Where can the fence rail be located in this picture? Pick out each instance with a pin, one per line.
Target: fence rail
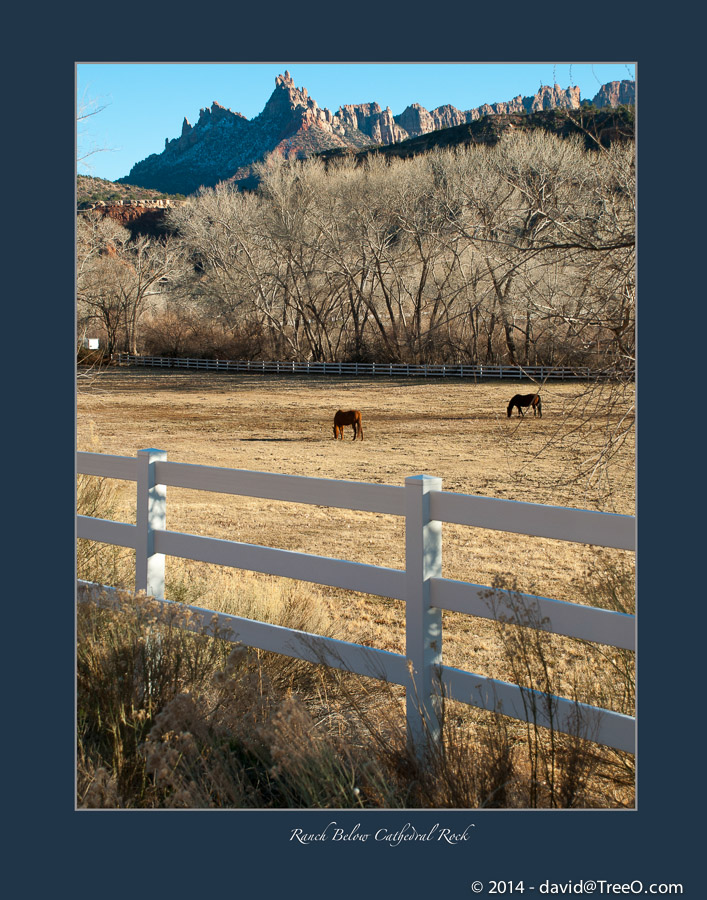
(425, 506)
(564, 373)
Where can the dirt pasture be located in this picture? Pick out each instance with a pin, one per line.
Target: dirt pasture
(456, 430)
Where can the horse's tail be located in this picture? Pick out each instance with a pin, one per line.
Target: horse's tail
(510, 408)
(540, 406)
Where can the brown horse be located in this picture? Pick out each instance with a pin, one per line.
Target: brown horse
(520, 400)
(351, 417)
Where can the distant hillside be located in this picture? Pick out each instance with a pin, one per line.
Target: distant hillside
(224, 146)
(143, 210)
(90, 190)
(596, 126)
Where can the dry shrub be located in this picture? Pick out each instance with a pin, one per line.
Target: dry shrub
(97, 787)
(262, 598)
(570, 770)
(132, 659)
(470, 767)
(474, 766)
(243, 743)
(611, 584)
(169, 718)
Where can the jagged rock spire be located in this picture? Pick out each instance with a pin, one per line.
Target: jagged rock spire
(224, 145)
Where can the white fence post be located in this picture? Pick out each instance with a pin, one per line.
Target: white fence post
(151, 516)
(423, 623)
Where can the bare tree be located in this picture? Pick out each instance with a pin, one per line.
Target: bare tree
(522, 251)
(100, 241)
(86, 108)
(118, 276)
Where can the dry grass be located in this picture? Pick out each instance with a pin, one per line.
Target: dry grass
(455, 430)
(172, 719)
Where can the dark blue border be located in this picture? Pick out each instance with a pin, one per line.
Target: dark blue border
(112, 853)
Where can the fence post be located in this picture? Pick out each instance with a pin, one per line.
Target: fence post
(423, 623)
(151, 516)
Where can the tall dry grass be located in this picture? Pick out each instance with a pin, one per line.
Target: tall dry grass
(568, 770)
(173, 719)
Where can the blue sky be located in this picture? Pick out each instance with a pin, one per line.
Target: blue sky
(141, 104)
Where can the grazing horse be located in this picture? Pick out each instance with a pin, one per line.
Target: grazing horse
(520, 400)
(351, 417)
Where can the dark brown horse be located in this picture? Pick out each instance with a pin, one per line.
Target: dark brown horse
(351, 417)
(521, 400)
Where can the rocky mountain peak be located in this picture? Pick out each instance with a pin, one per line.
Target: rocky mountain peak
(615, 93)
(286, 96)
(554, 97)
(223, 145)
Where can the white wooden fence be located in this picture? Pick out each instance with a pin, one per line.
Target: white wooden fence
(420, 585)
(516, 373)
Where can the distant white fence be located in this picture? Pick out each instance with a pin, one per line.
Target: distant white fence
(420, 585)
(516, 373)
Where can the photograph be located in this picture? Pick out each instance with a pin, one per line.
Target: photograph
(350, 392)
(433, 609)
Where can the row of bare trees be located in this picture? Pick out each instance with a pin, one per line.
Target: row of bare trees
(120, 277)
(519, 253)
